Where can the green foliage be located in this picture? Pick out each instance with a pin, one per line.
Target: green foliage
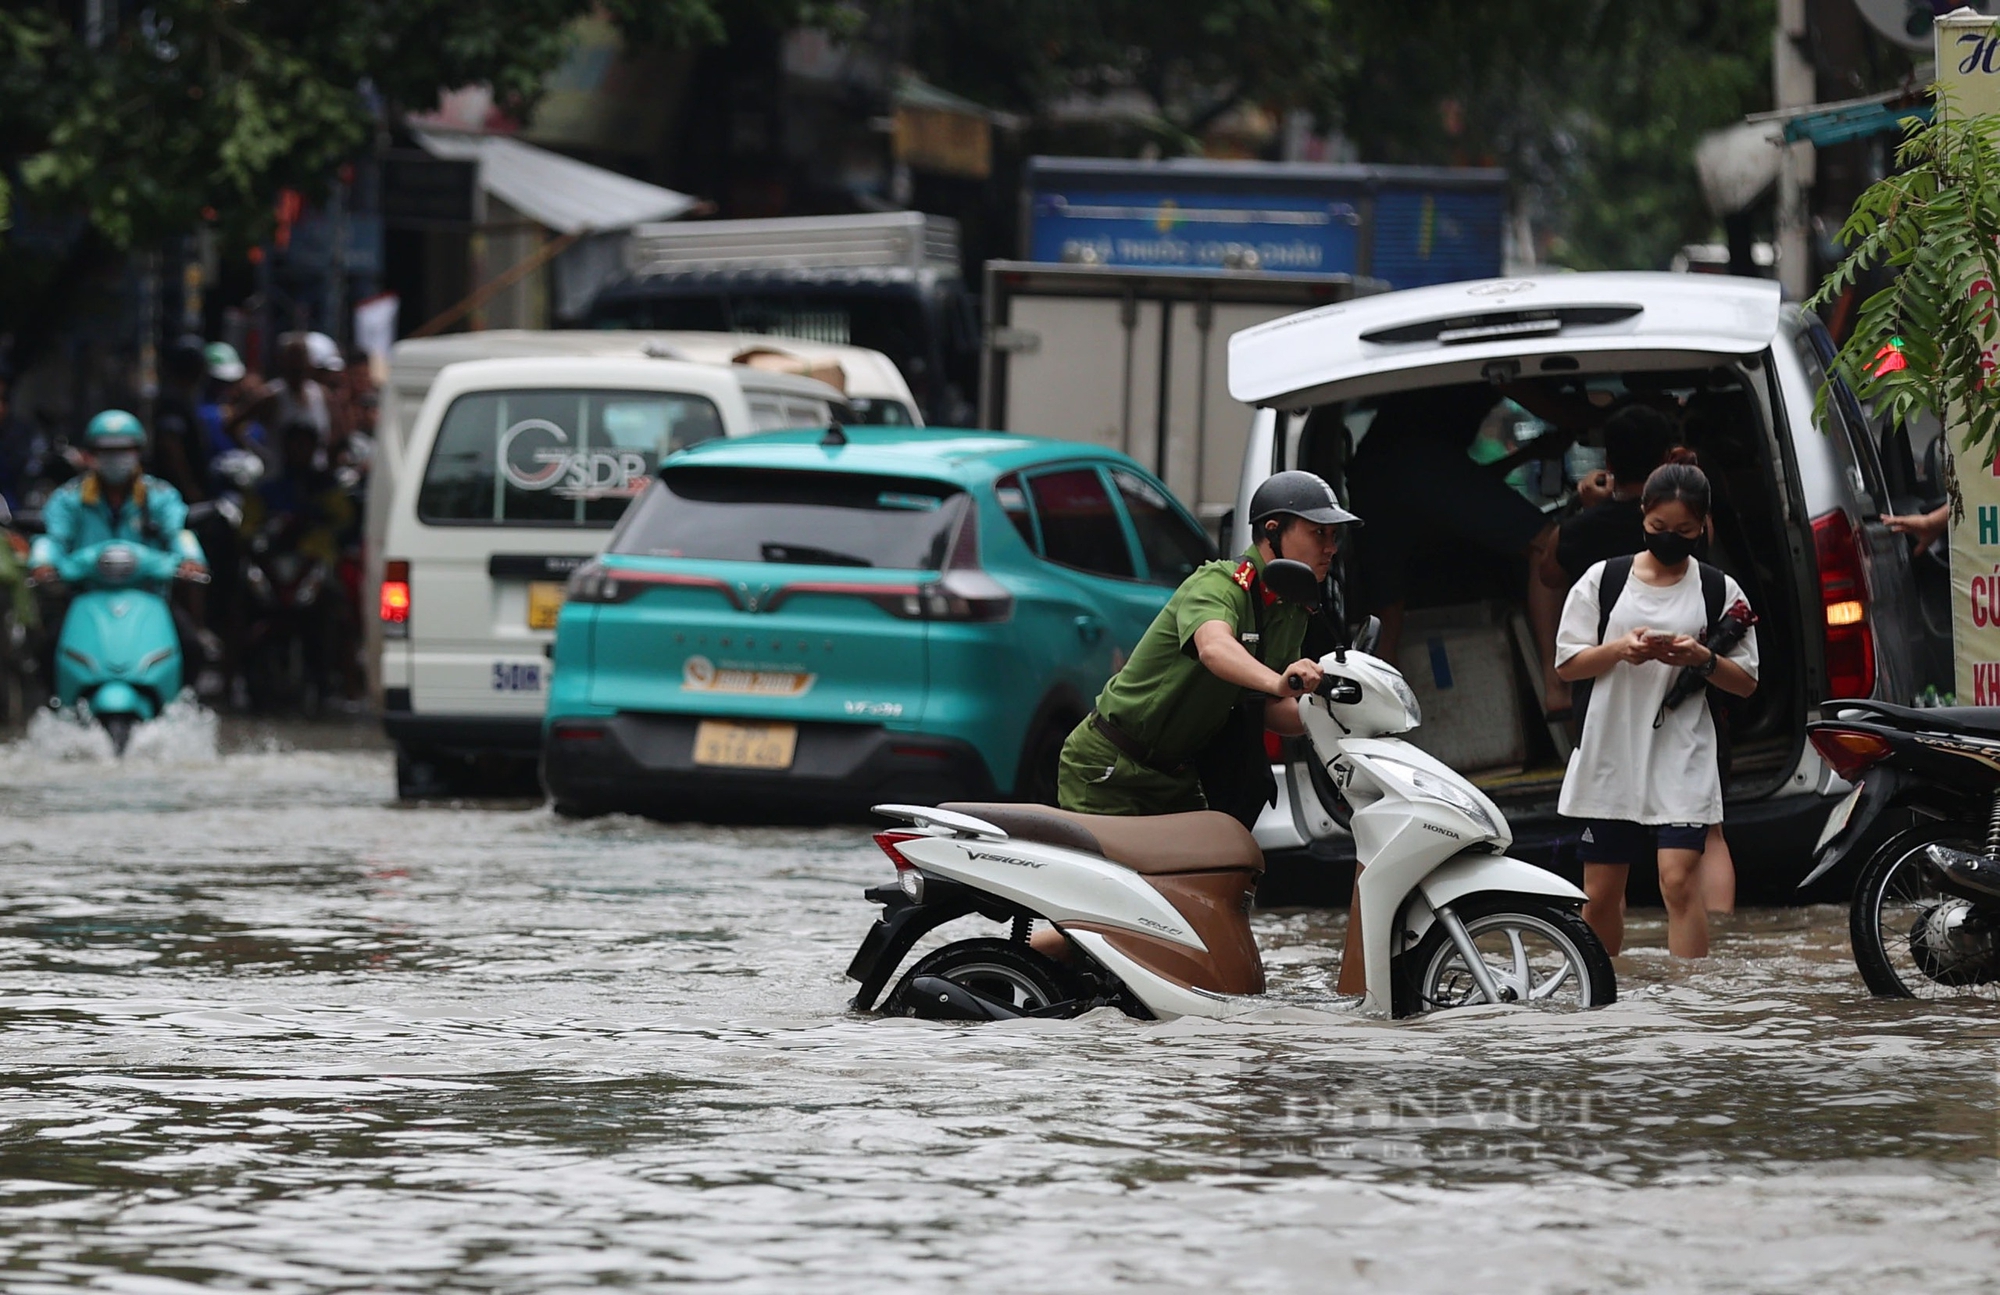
(1936, 223)
(217, 104)
(1591, 105)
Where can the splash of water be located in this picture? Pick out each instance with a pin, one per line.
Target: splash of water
(184, 733)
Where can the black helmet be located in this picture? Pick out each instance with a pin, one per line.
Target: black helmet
(1297, 494)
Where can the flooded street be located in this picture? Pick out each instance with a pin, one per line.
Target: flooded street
(266, 1030)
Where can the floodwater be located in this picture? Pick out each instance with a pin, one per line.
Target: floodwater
(265, 1030)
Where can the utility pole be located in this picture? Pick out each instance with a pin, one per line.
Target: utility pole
(1793, 85)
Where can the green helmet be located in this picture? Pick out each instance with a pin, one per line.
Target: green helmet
(114, 429)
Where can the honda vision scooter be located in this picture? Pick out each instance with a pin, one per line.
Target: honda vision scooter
(1156, 910)
(118, 652)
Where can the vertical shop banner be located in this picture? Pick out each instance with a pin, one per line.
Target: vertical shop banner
(1968, 62)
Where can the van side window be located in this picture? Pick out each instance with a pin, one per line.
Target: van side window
(1080, 527)
(554, 458)
(1014, 502)
(1172, 548)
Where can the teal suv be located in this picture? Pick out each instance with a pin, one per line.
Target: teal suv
(802, 624)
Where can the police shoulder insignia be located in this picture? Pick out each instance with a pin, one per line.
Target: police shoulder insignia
(1246, 571)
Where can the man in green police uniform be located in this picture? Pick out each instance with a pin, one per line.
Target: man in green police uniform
(1221, 635)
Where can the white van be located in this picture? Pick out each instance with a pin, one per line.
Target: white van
(873, 387)
(515, 472)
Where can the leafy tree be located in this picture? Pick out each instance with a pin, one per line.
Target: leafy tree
(1936, 223)
(1592, 105)
(186, 111)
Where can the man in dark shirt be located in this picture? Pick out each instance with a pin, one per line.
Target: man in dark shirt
(1636, 440)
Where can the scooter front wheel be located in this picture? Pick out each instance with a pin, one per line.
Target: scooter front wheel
(119, 729)
(1536, 953)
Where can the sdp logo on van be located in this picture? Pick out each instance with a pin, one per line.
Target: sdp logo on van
(532, 458)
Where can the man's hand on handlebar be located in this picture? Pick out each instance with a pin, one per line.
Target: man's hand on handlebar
(42, 575)
(1298, 679)
(191, 570)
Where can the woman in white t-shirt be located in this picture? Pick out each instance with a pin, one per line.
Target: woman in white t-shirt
(1644, 778)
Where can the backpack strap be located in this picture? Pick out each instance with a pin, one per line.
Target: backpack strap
(1611, 584)
(1714, 588)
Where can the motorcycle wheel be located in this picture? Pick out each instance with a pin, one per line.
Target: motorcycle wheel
(1893, 897)
(1010, 974)
(1537, 953)
(119, 729)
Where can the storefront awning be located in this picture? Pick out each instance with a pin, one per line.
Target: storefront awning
(566, 195)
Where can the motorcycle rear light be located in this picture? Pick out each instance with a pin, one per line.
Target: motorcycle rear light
(395, 601)
(1851, 752)
(1843, 589)
(889, 841)
(577, 733)
(912, 885)
(1274, 747)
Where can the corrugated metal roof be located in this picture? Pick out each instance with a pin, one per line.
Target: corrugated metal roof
(560, 192)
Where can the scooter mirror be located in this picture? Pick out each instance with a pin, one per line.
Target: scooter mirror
(1293, 582)
(1368, 635)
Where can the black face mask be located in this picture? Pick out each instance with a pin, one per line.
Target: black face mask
(1671, 548)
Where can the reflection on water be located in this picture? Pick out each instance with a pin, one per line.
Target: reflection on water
(268, 1030)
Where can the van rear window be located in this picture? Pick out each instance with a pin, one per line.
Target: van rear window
(554, 458)
(805, 518)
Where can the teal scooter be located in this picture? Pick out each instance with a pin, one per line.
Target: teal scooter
(118, 652)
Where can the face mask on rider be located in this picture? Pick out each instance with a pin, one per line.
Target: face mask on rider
(1672, 548)
(118, 466)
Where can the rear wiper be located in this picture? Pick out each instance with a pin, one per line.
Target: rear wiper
(808, 555)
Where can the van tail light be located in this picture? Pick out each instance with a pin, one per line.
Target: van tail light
(1850, 640)
(890, 840)
(1851, 752)
(395, 602)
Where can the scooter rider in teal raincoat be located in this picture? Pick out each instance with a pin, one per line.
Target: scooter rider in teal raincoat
(114, 500)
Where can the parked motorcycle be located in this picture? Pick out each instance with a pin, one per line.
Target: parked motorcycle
(1155, 910)
(118, 652)
(1925, 917)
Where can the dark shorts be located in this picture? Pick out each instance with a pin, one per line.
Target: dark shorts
(1408, 493)
(1609, 840)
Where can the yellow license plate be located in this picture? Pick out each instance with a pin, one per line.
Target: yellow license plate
(745, 746)
(545, 599)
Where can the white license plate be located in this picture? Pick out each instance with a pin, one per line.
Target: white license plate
(1836, 822)
(745, 746)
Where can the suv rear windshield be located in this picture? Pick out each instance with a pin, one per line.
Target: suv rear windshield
(812, 518)
(554, 458)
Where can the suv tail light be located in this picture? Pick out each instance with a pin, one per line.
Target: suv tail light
(1850, 641)
(395, 600)
(1850, 751)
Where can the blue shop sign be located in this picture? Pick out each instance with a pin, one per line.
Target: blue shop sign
(1285, 233)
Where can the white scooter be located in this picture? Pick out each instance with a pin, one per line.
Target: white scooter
(1155, 910)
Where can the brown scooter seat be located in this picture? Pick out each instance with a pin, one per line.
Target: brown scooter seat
(1158, 845)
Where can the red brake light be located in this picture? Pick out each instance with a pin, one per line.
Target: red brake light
(395, 605)
(1851, 752)
(889, 841)
(1274, 746)
(1850, 640)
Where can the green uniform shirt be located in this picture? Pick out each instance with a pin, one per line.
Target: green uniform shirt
(1164, 696)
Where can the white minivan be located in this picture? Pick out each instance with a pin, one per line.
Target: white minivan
(514, 474)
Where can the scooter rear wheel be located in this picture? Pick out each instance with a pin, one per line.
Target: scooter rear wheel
(1899, 909)
(1012, 975)
(1540, 954)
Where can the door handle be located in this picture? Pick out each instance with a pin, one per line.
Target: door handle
(1089, 628)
